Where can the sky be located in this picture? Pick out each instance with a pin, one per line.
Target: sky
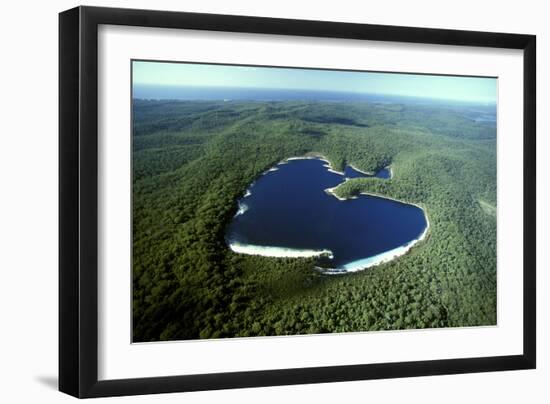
(468, 89)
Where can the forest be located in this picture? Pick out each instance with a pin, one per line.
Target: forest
(192, 161)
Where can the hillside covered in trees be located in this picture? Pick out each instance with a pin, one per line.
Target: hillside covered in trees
(192, 161)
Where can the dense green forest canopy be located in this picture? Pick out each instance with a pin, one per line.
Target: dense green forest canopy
(193, 160)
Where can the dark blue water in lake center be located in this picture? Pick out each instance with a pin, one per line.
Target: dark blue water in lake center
(288, 208)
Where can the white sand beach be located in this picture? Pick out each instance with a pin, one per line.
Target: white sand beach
(280, 252)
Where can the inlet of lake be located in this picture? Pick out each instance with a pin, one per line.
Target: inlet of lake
(287, 212)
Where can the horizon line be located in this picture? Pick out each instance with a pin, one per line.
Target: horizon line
(482, 101)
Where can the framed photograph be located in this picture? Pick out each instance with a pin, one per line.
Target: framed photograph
(251, 201)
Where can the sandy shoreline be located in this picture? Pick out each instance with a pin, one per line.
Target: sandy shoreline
(270, 170)
(279, 252)
(371, 173)
(328, 165)
(316, 156)
(362, 171)
(242, 208)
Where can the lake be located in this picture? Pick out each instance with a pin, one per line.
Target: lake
(288, 213)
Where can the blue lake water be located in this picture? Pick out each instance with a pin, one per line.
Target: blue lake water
(287, 212)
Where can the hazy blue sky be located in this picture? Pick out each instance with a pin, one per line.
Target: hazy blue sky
(443, 87)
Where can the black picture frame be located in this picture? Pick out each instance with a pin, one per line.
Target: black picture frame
(78, 201)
